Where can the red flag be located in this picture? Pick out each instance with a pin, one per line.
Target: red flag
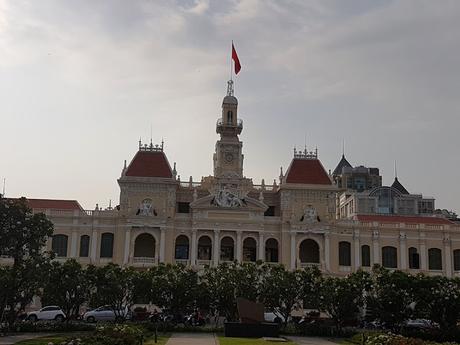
(236, 60)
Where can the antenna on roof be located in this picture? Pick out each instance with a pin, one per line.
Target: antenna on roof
(305, 147)
(151, 135)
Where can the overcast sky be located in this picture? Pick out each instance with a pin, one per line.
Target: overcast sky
(81, 81)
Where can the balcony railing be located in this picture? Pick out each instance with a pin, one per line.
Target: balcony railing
(144, 260)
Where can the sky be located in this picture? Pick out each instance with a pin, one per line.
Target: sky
(82, 81)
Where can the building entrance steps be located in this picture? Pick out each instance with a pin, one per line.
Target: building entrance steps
(192, 339)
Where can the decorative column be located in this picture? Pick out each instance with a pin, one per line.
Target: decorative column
(423, 260)
(376, 247)
(356, 244)
(193, 249)
(239, 245)
(73, 244)
(94, 244)
(261, 246)
(402, 251)
(162, 244)
(327, 252)
(127, 246)
(447, 256)
(216, 247)
(293, 251)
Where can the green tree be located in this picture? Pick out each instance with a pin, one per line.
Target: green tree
(283, 289)
(112, 286)
(342, 298)
(23, 236)
(438, 299)
(67, 286)
(392, 296)
(174, 287)
(226, 282)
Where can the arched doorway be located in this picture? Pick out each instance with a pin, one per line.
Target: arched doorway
(271, 250)
(309, 251)
(182, 248)
(227, 249)
(144, 246)
(249, 249)
(204, 248)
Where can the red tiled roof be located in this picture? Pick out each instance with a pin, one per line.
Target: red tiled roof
(149, 164)
(54, 204)
(402, 219)
(307, 171)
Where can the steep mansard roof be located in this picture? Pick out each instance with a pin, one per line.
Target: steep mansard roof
(149, 164)
(402, 219)
(343, 163)
(397, 185)
(307, 171)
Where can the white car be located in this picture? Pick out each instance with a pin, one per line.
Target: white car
(104, 313)
(272, 317)
(51, 312)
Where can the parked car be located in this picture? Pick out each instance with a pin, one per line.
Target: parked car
(106, 313)
(420, 324)
(272, 317)
(47, 313)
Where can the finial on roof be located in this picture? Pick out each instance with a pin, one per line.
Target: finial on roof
(281, 175)
(343, 147)
(230, 90)
(124, 166)
(274, 183)
(140, 143)
(190, 181)
(396, 172)
(162, 144)
(174, 170)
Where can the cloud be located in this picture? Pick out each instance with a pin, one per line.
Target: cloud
(381, 74)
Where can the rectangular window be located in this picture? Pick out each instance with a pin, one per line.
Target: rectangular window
(183, 207)
(365, 256)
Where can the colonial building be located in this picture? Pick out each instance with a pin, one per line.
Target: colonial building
(226, 217)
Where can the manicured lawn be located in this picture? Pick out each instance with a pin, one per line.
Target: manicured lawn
(249, 341)
(161, 340)
(56, 339)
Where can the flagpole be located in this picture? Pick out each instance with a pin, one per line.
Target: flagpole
(231, 63)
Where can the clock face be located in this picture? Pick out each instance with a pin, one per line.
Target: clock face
(228, 157)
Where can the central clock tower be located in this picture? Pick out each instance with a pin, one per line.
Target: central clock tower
(228, 158)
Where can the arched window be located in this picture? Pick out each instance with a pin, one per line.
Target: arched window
(144, 246)
(204, 248)
(434, 259)
(365, 256)
(59, 245)
(271, 250)
(457, 260)
(84, 246)
(226, 249)
(181, 252)
(249, 249)
(106, 245)
(344, 253)
(389, 257)
(414, 259)
(229, 117)
(309, 251)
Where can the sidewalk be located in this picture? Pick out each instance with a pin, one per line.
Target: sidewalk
(192, 339)
(11, 339)
(310, 341)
